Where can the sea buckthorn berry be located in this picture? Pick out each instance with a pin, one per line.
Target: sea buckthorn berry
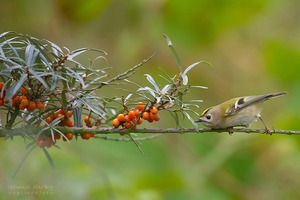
(22, 107)
(1, 85)
(15, 100)
(140, 107)
(57, 136)
(21, 98)
(128, 125)
(24, 91)
(150, 120)
(60, 116)
(116, 123)
(69, 136)
(49, 142)
(70, 113)
(121, 117)
(131, 114)
(41, 143)
(87, 119)
(145, 115)
(49, 119)
(127, 119)
(86, 136)
(140, 121)
(25, 102)
(154, 110)
(137, 113)
(31, 106)
(40, 105)
(69, 123)
(61, 111)
(156, 117)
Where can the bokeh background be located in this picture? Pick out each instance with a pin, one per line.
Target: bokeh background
(254, 47)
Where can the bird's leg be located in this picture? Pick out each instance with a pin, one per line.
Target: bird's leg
(268, 131)
(230, 130)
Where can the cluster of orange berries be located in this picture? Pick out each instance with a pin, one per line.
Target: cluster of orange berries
(64, 116)
(22, 100)
(134, 117)
(88, 123)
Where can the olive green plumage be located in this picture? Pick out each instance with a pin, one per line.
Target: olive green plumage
(240, 111)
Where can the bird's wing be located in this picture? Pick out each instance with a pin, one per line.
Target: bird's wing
(243, 102)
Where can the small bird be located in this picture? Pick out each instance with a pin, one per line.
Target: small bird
(240, 111)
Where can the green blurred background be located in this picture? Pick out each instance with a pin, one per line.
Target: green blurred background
(254, 47)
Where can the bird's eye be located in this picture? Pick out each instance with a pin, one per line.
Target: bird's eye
(208, 117)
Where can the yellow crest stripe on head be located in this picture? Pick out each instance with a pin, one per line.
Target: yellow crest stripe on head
(205, 111)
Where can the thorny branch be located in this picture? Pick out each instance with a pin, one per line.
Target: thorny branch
(9, 133)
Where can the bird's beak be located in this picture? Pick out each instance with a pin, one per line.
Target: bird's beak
(199, 120)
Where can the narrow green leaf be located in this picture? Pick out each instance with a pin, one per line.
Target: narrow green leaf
(35, 74)
(152, 81)
(79, 78)
(195, 64)
(31, 54)
(185, 79)
(23, 160)
(15, 87)
(48, 157)
(177, 58)
(165, 89)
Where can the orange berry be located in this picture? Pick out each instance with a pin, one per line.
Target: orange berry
(49, 142)
(156, 117)
(61, 111)
(41, 143)
(1, 85)
(87, 119)
(137, 113)
(140, 107)
(70, 113)
(1, 102)
(154, 110)
(61, 116)
(69, 123)
(22, 107)
(150, 119)
(21, 98)
(86, 136)
(57, 136)
(69, 136)
(15, 100)
(131, 114)
(25, 102)
(40, 105)
(145, 115)
(116, 123)
(121, 117)
(58, 113)
(128, 124)
(31, 106)
(49, 119)
(127, 119)
(94, 126)
(85, 126)
(140, 121)
(24, 91)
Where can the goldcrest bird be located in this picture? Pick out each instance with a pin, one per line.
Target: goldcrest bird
(240, 111)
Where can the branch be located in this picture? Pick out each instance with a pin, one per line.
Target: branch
(30, 130)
